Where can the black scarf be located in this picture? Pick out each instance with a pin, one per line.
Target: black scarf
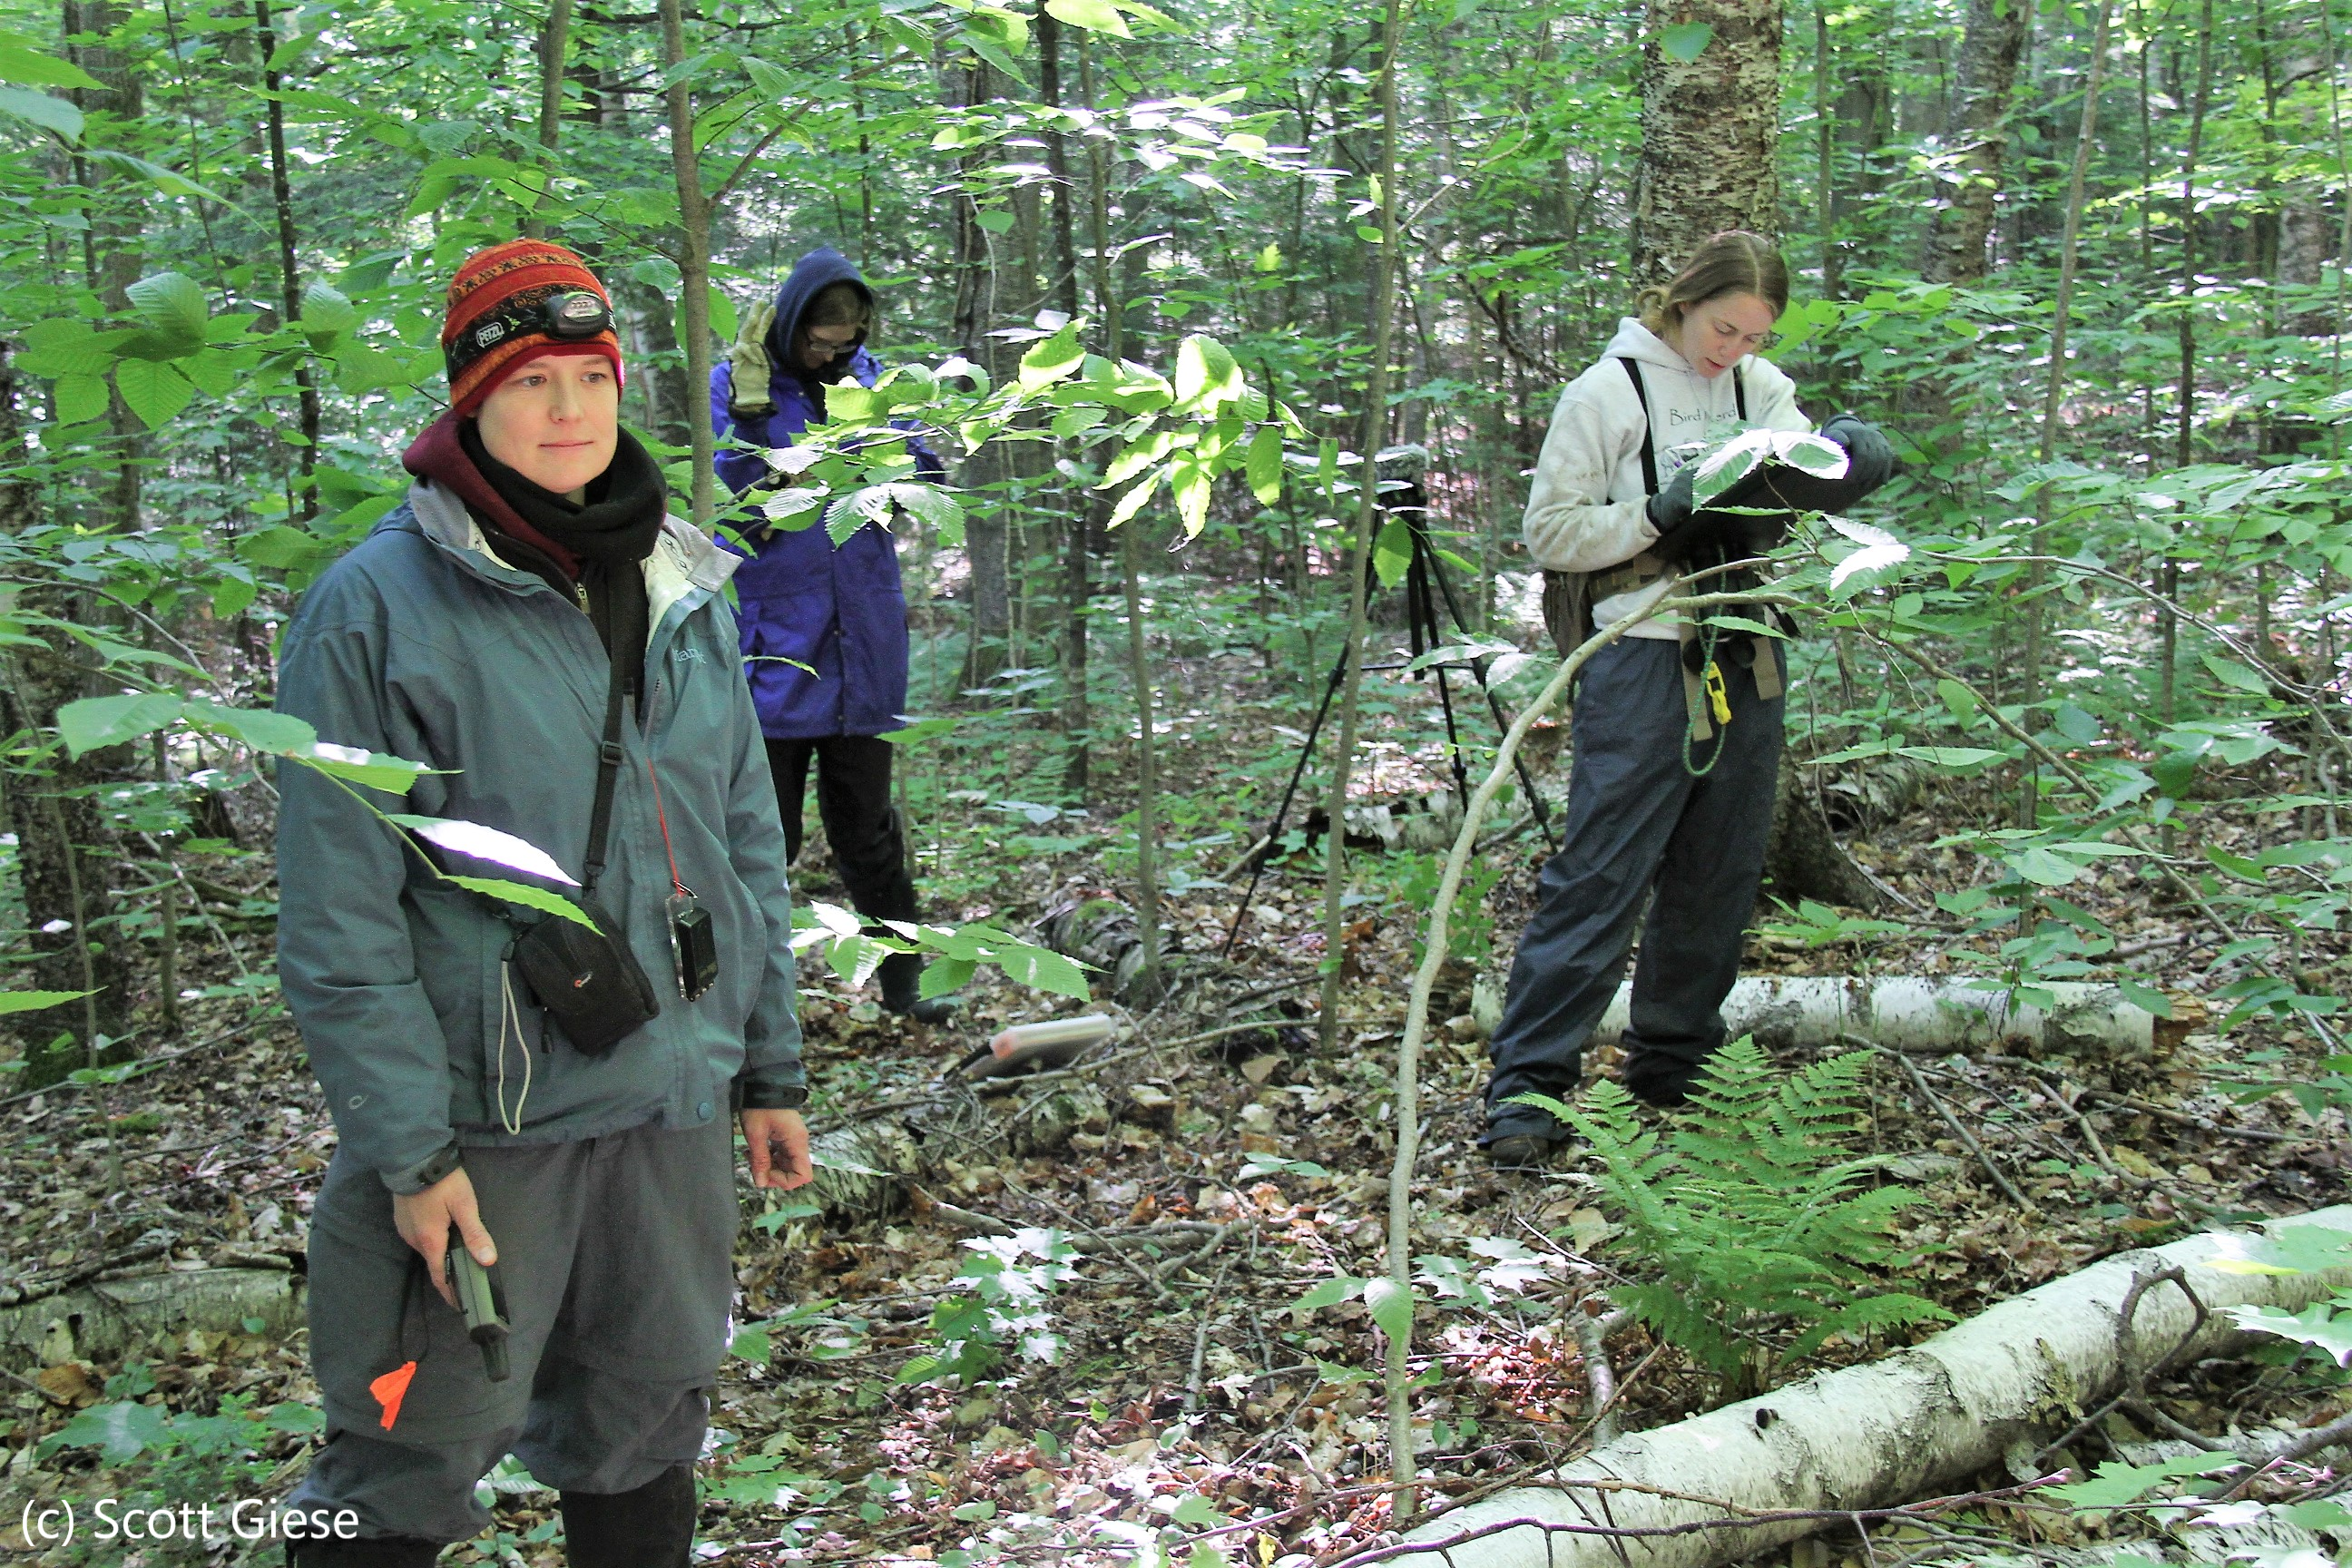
(608, 532)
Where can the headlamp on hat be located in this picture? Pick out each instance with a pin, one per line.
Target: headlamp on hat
(569, 317)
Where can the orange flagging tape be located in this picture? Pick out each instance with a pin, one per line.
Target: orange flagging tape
(391, 1389)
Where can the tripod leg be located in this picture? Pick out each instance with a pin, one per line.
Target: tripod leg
(1453, 739)
(1536, 805)
(1282, 810)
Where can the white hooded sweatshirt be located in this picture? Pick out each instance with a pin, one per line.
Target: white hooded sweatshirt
(1586, 511)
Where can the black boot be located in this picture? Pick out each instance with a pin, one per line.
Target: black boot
(901, 975)
(366, 1552)
(652, 1527)
(1659, 1081)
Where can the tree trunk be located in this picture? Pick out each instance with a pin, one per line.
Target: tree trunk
(1709, 128)
(1977, 130)
(54, 819)
(1883, 1433)
(554, 39)
(693, 265)
(1109, 306)
(1079, 519)
(290, 272)
(987, 534)
(1372, 434)
(1802, 859)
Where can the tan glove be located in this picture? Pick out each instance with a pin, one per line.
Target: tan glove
(748, 397)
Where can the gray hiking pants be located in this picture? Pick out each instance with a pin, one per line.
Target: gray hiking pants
(1637, 820)
(617, 1258)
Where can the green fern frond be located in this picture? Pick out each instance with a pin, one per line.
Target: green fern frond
(1752, 1207)
(1682, 1325)
(1859, 1317)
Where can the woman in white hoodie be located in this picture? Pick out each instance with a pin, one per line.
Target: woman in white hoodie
(1667, 791)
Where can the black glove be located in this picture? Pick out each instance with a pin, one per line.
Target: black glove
(1707, 535)
(1870, 463)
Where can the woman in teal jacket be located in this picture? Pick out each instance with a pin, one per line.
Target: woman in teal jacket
(482, 629)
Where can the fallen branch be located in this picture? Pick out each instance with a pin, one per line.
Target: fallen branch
(1936, 1103)
(1594, 1323)
(1442, 1546)
(1854, 1441)
(107, 1318)
(1927, 1016)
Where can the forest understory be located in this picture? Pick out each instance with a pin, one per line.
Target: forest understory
(1159, 1208)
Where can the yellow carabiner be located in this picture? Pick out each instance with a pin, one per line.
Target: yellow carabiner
(1718, 698)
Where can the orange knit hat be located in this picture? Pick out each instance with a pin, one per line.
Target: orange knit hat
(496, 319)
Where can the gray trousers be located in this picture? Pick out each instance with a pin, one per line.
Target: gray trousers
(1639, 820)
(617, 1255)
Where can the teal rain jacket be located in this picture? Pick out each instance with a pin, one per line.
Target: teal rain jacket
(423, 644)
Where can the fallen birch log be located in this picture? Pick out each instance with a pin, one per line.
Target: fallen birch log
(102, 1321)
(1870, 1436)
(1909, 1014)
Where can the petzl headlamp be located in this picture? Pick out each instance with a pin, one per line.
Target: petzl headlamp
(572, 316)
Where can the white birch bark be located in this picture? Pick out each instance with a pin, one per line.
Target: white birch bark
(1880, 1434)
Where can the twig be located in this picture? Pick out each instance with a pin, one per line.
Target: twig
(1968, 1139)
(2190, 1119)
(1201, 1336)
(2051, 1093)
(66, 1282)
(1167, 1270)
(2135, 1390)
(145, 1064)
(1594, 1324)
(958, 1217)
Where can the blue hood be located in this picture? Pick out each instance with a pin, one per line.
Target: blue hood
(816, 272)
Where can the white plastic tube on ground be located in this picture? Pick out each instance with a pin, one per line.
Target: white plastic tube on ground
(1875, 1435)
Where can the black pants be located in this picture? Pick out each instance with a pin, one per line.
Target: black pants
(1638, 820)
(853, 801)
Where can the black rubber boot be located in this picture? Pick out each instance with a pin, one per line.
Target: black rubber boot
(901, 975)
(1659, 1081)
(366, 1551)
(652, 1527)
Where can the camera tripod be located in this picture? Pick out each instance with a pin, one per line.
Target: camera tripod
(1425, 587)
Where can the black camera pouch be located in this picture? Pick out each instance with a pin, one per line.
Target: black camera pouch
(589, 984)
(587, 981)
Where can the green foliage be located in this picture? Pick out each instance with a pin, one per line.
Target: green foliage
(1752, 1213)
(161, 1459)
(1005, 1313)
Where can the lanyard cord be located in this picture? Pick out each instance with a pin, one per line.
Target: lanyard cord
(663, 817)
(1707, 640)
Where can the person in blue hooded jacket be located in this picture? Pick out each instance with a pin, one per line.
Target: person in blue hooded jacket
(823, 627)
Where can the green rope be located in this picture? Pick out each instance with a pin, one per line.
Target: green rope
(1707, 640)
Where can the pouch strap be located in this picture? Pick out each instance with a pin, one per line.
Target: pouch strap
(1649, 443)
(1767, 668)
(1626, 577)
(608, 773)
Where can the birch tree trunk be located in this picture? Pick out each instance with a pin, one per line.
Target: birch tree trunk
(1874, 1436)
(1709, 126)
